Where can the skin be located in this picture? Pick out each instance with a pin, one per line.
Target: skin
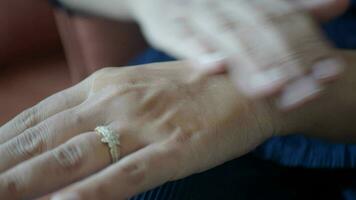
(319, 123)
(222, 39)
(251, 40)
(172, 123)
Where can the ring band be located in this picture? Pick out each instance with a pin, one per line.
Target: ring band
(112, 139)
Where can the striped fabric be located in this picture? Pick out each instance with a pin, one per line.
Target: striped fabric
(177, 190)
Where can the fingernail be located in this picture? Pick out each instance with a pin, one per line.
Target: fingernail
(269, 79)
(210, 61)
(299, 91)
(327, 68)
(66, 196)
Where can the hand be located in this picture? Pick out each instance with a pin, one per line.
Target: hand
(171, 125)
(270, 47)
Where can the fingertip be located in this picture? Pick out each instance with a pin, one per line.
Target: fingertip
(299, 92)
(263, 84)
(211, 63)
(328, 69)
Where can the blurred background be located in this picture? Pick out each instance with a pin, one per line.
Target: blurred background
(32, 64)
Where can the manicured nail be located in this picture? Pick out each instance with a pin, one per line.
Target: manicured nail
(298, 92)
(209, 62)
(66, 196)
(327, 68)
(268, 80)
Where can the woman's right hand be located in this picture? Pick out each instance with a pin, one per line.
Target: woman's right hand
(268, 47)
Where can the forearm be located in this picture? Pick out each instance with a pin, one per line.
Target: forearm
(333, 115)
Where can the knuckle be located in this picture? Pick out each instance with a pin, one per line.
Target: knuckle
(69, 157)
(31, 142)
(63, 98)
(135, 172)
(10, 188)
(28, 118)
(77, 117)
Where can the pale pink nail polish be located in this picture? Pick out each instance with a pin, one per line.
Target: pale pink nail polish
(328, 68)
(209, 62)
(298, 92)
(266, 82)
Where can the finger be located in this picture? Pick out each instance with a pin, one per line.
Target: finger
(304, 42)
(77, 158)
(142, 170)
(252, 52)
(257, 84)
(181, 39)
(313, 55)
(305, 51)
(299, 92)
(328, 70)
(52, 105)
(44, 136)
(175, 38)
(69, 162)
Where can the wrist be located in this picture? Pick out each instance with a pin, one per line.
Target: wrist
(272, 120)
(285, 123)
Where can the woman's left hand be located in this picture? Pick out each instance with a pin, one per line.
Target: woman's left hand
(171, 125)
